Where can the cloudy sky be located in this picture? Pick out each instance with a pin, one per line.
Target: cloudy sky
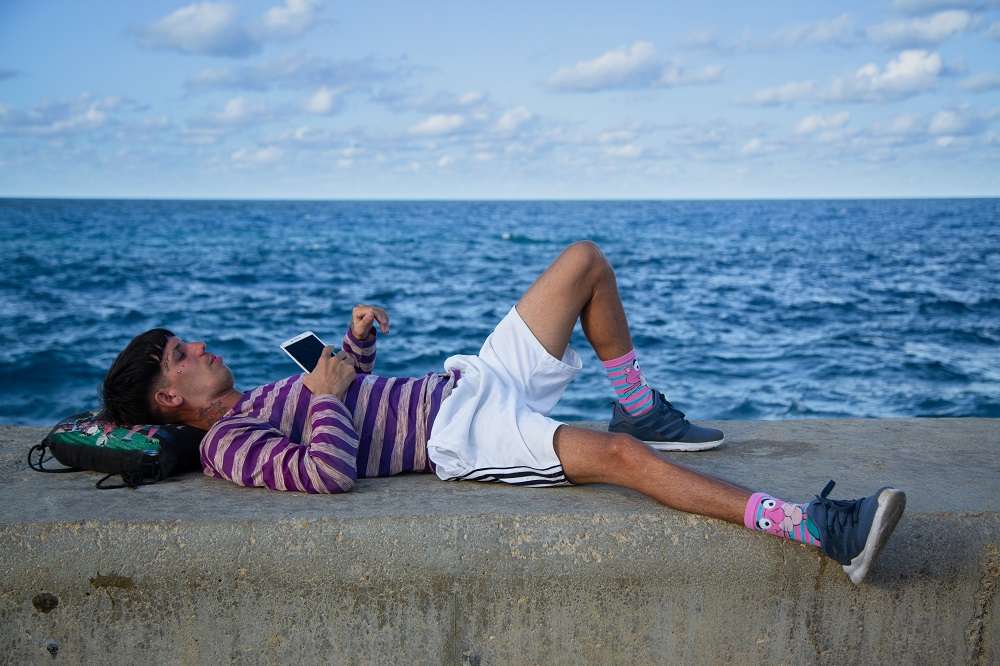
(312, 99)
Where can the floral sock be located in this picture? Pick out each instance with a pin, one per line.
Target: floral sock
(780, 518)
(629, 384)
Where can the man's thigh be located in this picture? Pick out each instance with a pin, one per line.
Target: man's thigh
(551, 306)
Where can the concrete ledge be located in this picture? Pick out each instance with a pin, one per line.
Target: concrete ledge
(414, 569)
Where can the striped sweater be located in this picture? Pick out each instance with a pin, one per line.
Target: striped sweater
(281, 436)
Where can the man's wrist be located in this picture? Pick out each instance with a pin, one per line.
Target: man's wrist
(364, 337)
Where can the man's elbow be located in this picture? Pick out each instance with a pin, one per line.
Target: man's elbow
(341, 483)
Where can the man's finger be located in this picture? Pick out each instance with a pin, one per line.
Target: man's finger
(324, 354)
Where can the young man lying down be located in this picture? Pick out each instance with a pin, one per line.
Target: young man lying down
(484, 418)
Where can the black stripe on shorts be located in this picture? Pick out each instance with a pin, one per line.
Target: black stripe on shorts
(524, 476)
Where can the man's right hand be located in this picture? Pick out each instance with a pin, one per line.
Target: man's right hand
(332, 374)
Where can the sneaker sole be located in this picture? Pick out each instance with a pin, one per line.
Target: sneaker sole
(685, 446)
(891, 503)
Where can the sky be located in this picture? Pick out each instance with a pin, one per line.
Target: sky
(311, 99)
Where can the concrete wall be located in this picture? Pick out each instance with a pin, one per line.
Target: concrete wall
(415, 569)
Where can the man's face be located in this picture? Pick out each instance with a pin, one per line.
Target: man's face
(192, 373)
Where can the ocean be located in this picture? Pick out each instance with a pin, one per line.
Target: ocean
(739, 309)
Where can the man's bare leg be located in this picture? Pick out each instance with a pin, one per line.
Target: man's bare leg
(580, 284)
(591, 456)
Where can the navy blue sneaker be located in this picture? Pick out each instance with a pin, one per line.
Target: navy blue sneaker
(664, 428)
(854, 531)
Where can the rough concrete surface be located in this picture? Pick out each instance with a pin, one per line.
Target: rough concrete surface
(413, 569)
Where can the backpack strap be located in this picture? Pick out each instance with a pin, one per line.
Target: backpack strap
(38, 464)
(151, 469)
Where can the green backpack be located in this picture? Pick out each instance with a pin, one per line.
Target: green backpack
(140, 455)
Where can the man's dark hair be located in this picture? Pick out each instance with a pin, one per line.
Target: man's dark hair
(135, 374)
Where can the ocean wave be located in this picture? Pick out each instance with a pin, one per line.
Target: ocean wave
(522, 239)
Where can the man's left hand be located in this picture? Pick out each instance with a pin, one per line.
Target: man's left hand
(362, 318)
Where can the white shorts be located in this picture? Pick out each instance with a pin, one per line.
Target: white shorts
(495, 426)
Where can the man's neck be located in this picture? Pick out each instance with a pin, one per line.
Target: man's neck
(205, 417)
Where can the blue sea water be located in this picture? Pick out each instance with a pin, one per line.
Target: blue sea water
(739, 309)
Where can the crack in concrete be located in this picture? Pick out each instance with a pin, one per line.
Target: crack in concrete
(983, 605)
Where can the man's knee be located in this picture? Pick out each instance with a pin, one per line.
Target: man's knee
(587, 254)
(625, 451)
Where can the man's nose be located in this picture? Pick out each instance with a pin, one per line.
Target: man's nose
(201, 347)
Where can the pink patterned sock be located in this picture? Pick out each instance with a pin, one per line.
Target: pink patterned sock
(629, 384)
(780, 518)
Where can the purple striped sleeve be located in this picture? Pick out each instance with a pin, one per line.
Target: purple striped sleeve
(325, 464)
(362, 351)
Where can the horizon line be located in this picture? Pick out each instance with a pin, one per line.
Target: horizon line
(488, 199)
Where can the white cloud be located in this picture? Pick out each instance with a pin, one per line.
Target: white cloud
(201, 136)
(922, 31)
(58, 118)
(207, 28)
(942, 127)
(298, 71)
(237, 111)
(904, 124)
(438, 124)
(216, 29)
(993, 32)
(616, 136)
(815, 123)
(701, 39)
(673, 75)
(636, 66)
(960, 121)
(924, 6)
(909, 73)
(756, 146)
(981, 82)
(947, 122)
(627, 151)
(513, 119)
(472, 97)
(322, 101)
(256, 157)
(839, 30)
(290, 19)
(783, 94)
(614, 69)
(445, 161)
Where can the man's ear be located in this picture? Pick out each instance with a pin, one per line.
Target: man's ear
(167, 398)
